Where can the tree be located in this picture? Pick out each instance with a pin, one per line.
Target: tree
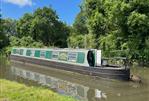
(81, 41)
(7, 28)
(44, 25)
(24, 42)
(79, 25)
(47, 28)
(119, 25)
(96, 17)
(24, 25)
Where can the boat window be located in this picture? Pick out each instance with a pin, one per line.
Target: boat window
(17, 51)
(42, 54)
(55, 55)
(30, 53)
(72, 56)
(21, 51)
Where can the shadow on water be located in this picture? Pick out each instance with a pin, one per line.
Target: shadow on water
(81, 87)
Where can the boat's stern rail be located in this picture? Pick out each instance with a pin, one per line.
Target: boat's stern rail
(116, 62)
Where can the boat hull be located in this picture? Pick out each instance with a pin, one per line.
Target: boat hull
(121, 74)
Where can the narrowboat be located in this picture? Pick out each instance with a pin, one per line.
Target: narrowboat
(84, 61)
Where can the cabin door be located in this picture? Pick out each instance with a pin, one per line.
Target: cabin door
(91, 58)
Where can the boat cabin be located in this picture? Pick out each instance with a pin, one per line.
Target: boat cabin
(82, 57)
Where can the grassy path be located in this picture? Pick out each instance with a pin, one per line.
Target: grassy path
(13, 91)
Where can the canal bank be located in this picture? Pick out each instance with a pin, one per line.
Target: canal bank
(13, 91)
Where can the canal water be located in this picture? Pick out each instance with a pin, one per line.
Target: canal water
(80, 87)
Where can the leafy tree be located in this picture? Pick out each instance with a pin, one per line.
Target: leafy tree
(24, 25)
(44, 25)
(79, 25)
(7, 28)
(24, 42)
(120, 24)
(81, 41)
(96, 17)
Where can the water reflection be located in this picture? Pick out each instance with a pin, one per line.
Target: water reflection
(61, 86)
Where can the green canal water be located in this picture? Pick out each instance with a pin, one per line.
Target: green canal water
(81, 87)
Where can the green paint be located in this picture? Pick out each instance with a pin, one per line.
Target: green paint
(48, 54)
(28, 52)
(37, 53)
(80, 58)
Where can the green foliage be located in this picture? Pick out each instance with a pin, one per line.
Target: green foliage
(96, 17)
(7, 28)
(79, 25)
(44, 25)
(75, 41)
(24, 42)
(120, 25)
(81, 41)
(21, 42)
(107, 42)
(24, 25)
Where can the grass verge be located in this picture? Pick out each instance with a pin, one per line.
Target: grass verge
(13, 91)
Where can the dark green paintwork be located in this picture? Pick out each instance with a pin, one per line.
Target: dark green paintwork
(80, 58)
(37, 53)
(48, 54)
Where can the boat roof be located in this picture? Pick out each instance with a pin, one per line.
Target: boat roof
(67, 49)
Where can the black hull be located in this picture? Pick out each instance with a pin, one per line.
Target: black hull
(121, 74)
